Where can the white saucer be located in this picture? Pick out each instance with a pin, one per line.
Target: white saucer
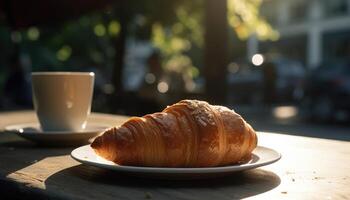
(261, 156)
(33, 132)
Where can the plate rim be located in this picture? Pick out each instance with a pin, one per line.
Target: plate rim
(173, 170)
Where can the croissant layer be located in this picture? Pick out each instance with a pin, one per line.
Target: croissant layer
(190, 133)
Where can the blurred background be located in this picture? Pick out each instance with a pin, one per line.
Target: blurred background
(283, 64)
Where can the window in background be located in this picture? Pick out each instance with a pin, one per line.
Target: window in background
(336, 45)
(335, 8)
(293, 47)
(269, 10)
(298, 11)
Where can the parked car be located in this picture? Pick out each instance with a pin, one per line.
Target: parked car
(244, 83)
(327, 92)
(290, 78)
(247, 83)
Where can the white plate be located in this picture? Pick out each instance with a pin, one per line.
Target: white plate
(33, 132)
(261, 156)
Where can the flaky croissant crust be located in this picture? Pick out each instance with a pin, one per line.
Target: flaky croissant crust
(190, 133)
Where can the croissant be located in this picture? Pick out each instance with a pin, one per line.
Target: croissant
(190, 133)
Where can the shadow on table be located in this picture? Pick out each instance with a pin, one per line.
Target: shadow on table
(104, 184)
(17, 153)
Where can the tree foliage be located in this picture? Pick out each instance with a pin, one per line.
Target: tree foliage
(175, 27)
(186, 31)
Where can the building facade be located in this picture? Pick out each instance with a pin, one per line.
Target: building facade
(313, 31)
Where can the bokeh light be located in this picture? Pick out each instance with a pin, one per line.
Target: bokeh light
(33, 33)
(150, 78)
(258, 59)
(113, 28)
(163, 87)
(64, 53)
(233, 68)
(100, 30)
(190, 86)
(108, 88)
(16, 36)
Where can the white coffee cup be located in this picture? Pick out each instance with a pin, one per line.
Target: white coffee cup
(62, 100)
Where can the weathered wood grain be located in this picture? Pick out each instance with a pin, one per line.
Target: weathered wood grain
(310, 168)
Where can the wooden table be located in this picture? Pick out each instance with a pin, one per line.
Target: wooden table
(310, 168)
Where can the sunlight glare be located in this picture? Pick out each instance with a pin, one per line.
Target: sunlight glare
(258, 59)
(285, 112)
